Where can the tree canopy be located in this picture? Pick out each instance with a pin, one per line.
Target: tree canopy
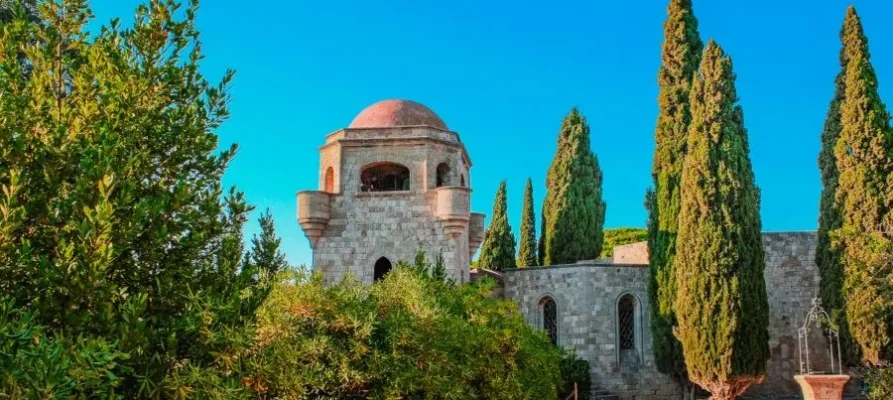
(573, 211)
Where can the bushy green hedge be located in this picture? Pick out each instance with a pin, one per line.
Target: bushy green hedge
(407, 336)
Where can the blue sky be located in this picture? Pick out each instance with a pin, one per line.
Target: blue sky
(504, 73)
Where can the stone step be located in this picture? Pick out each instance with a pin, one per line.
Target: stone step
(603, 395)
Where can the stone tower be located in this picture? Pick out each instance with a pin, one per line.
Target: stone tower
(394, 182)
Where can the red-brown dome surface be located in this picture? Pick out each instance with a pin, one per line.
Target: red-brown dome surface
(392, 113)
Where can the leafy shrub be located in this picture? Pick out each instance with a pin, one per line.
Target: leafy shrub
(621, 236)
(879, 382)
(406, 336)
(575, 370)
(36, 365)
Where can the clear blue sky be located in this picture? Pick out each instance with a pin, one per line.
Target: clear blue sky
(504, 73)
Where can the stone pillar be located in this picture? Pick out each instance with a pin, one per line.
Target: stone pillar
(822, 387)
(453, 211)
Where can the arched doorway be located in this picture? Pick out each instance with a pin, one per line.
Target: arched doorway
(382, 267)
(443, 175)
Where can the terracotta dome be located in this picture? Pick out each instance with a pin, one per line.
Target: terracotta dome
(392, 113)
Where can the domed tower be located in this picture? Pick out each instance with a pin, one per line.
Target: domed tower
(394, 182)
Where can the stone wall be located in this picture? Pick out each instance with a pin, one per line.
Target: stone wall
(587, 294)
(365, 226)
(633, 253)
(395, 225)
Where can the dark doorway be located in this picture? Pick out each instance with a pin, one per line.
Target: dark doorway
(382, 267)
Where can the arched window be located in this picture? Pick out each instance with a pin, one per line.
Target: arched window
(549, 318)
(626, 322)
(330, 180)
(462, 180)
(443, 175)
(382, 267)
(384, 177)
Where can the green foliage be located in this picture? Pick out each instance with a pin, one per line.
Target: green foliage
(721, 306)
(527, 254)
(35, 365)
(575, 370)
(880, 383)
(619, 237)
(118, 246)
(498, 249)
(409, 335)
(680, 56)
(827, 259)
(864, 194)
(573, 211)
(868, 290)
(262, 264)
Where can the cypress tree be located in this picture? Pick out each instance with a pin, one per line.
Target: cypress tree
(261, 264)
(864, 161)
(527, 254)
(680, 55)
(498, 249)
(828, 258)
(573, 211)
(721, 304)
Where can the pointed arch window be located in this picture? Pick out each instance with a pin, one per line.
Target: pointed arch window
(626, 321)
(549, 317)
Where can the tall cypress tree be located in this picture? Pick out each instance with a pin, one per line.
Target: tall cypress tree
(828, 259)
(573, 211)
(680, 55)
(498, 249)
(721, 304)
(527, 254)
(864, 160)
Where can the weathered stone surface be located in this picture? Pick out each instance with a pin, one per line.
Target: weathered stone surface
(365, 226)
(587, 295)
(633, 253)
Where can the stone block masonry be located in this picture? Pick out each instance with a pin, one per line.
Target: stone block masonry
(591, 320)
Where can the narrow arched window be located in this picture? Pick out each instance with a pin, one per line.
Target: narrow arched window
(549, 318)
(443, 175)
(384, 177)
(382, 267)
(330, 180)
(462, 180)
(626, 319)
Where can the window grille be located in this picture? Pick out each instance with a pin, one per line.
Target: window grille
(626, 315)
(550, 319)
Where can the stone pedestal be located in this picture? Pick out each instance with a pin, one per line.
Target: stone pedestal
(822, 387)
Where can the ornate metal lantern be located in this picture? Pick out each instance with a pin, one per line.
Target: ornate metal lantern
(817, 318)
